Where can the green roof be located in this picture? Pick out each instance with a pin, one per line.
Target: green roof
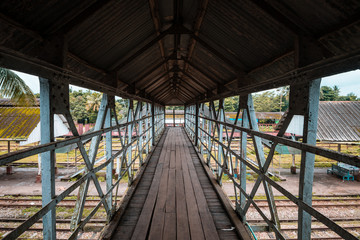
(16, 123)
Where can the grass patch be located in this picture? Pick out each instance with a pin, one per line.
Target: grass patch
(251, 177)
(275, 178)
(28, 212)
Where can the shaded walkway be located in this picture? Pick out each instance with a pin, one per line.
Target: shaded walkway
(174, 198)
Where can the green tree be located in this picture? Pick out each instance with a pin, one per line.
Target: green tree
(329, 94)
(93, 101)
(333, 94)
(13, 87)
(266, 102)
(352, 97)
(231, 104)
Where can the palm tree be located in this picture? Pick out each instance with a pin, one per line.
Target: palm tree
(12, 86)
(93, 101)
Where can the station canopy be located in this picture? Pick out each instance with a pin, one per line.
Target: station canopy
(182, 51)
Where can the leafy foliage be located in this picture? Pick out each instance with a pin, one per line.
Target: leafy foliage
(84, 105)
(12, 86)
(333, 94)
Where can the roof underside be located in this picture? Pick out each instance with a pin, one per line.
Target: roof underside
(181, 51)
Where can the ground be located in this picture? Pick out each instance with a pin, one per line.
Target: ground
(23, 182)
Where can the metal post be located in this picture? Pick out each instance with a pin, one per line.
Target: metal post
(308, 159)
(129, 139)
(140, 133)
(185, 116)
(243, 152)
(153, 123)
(220, 135)
(93, 150)
(209, 144)
(148, 133)
(108, 152)
(197, 124)
(174, 117)
(259, 150)
(201, 132)
(47, 158)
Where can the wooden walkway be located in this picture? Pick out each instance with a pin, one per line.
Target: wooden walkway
(174, 198)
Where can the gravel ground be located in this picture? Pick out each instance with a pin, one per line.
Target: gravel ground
(22, 182)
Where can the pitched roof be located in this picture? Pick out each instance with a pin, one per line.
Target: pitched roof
(339, 121)
(16, 123)
(176, 52)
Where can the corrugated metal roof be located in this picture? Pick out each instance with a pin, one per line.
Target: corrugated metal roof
(6, 102)
(339, 121)
(227, 48)
(16, 123)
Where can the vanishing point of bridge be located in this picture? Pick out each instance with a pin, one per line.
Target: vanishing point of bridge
(175, 198)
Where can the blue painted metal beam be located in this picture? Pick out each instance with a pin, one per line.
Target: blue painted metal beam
(47, 158)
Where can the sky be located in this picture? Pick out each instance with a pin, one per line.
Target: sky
(347, 82)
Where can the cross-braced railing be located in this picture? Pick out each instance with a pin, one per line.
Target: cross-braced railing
(137, 134)
(213, 135)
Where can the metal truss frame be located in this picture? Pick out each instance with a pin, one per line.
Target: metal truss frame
(141, 130)
(215, 138)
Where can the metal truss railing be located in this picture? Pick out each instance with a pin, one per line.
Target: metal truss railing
(212, 134)
(142, 129)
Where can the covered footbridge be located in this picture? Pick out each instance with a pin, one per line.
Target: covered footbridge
(190, 53)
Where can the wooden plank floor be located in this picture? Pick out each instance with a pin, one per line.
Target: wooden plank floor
(175, 198)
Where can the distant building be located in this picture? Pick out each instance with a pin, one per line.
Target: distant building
(22, 124)
(338, 121)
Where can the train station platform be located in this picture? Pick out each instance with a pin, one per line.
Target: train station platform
(175, 198)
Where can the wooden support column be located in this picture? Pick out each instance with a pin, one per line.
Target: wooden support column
(47, 158)
(308, 159)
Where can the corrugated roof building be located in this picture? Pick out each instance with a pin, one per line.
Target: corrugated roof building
(18, 123)
(338, 121)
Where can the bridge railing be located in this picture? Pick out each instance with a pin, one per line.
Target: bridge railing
(206, 130)
(137, 133)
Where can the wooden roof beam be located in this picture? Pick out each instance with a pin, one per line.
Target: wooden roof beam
(153, 5)
(190, 87)
(148, 84)
(159, 89)
(235, 67)
(195, 80)
(121, 63)
(149, 71)
(196, 28)
(216, 81)
(70, 24)
(298, 28)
